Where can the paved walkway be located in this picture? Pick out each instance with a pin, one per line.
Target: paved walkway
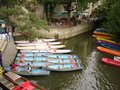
(9, 53)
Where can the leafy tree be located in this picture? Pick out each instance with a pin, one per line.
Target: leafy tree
(113, 21)
(49, 6)
(27, 24)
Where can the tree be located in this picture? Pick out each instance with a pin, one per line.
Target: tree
(27, 24)
(49, 6)
(113, 21)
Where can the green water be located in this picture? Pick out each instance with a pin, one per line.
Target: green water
(95, 74)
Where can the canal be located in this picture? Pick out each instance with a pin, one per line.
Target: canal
(95, 74)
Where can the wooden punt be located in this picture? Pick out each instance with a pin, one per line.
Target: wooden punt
(102, 34)
(7, 84)
(111, 62)
(57, 51)
(42, 43)
(97, 36)
(109, 51)
(45, 55)
(107, 40)
(39, 40)
(63, 67)
(24, 83)
(40, 47)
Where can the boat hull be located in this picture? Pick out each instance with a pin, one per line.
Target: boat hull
(109, 45)
(109, 41)
(57, 51)
(38, 47)
(109, 51)
(45, 55)
(63, 67)
(39, 40)
(24, 72)
(111, 62)
(23, 83)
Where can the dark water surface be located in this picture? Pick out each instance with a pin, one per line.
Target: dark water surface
(94, 76)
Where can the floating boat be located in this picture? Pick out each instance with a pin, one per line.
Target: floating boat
(6, 84)
(109, 41)
(98, 36)
(102, 34)
(40, 47)
(24, 83)
(21, 70)
(49, 55)
(109, 45)
(63, 67)
(39, 40)
(46, 59)
(37, 44)
(109, 51)
(111, 62)
(41, 64)
(33, 64)
(100, 30)
(51, 51)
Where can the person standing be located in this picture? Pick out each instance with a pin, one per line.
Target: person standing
(1, 59)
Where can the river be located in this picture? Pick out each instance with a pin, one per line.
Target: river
(94, 76)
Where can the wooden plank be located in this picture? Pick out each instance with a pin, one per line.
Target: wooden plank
(12, 76)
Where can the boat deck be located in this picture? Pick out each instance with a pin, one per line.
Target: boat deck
(6, 84)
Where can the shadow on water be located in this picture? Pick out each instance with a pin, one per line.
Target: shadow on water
(94, 76)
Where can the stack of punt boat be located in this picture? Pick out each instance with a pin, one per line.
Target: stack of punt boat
(21, 82)
(66, 62)
(108, 46)
(48, 59)
(40, 46)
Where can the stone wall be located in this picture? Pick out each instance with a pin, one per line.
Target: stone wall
(67, 32)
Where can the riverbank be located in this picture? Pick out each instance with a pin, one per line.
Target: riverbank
(65, 33)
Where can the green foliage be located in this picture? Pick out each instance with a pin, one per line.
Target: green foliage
(36, 22)
(11, 11)
(27, 24)
(31, 23)
(111, 13)
(82, 4)
(113, 17)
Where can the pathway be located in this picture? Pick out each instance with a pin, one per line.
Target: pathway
(9, 53)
